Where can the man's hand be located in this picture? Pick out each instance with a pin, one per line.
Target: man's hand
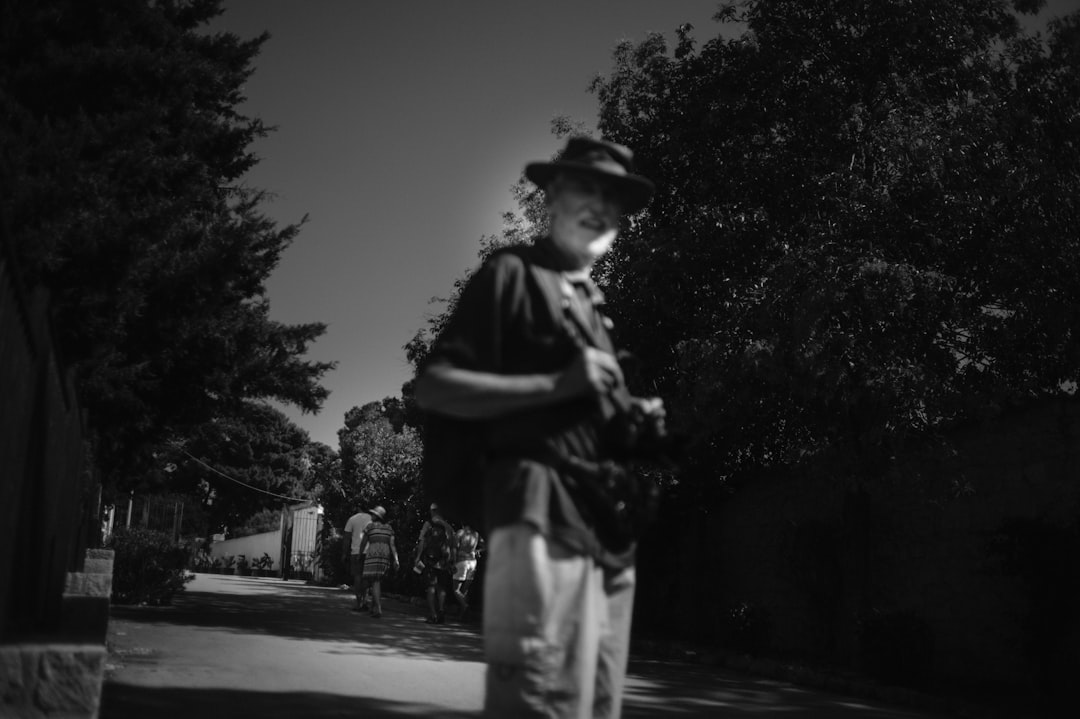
(592, 372)
(650, 411)
(651, 407)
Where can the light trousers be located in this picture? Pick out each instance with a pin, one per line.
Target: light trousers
(556, 630)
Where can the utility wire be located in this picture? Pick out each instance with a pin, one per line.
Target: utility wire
(237, 481)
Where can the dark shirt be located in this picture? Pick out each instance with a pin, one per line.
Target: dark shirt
(505, 324)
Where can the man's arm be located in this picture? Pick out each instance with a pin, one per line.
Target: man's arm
(421, 541)
(469, 394)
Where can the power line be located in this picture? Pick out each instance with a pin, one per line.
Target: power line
(237, 481)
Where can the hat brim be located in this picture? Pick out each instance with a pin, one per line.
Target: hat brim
(633, 191)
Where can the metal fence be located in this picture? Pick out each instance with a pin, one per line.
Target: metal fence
(172, 515)
(300, 543)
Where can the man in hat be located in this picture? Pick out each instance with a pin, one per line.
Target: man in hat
(558, 593)
(354, 560)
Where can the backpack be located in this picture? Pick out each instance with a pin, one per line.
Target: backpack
(437, 545)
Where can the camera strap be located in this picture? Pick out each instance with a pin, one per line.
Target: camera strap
(574, 301)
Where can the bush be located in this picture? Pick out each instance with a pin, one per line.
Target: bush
(201, 562)
(331, 559)
(264, 564)
(148, 567)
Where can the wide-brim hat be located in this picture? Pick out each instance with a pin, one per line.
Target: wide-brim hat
(379, 512)
(599, 158)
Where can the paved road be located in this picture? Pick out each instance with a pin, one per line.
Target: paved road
(241, 646)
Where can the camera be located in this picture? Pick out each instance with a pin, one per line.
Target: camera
(637, 434)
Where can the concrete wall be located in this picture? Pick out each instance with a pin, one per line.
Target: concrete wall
(252, 546)
(301, 525)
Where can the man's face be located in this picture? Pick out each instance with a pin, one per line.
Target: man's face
(584, 217)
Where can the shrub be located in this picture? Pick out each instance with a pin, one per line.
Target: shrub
(148, 567)
(201, 562)
(265, 563)
(331, 560)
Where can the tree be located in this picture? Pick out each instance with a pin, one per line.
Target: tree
(323, 469)
(380, 464)
(122, 156)
(242, 465)
(265, 520)
(864, 232)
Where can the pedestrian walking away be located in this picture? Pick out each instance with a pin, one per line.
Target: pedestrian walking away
(380, 556)
(435, 559)
(354, 559)
(527, 356)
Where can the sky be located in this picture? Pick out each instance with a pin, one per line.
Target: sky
(401, 127)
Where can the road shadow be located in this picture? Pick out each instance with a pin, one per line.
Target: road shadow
(123, 701)
(314, 613)
(659, 688)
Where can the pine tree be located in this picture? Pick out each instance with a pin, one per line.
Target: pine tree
(123, 148)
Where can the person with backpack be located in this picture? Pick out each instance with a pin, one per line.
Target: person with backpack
(435, 556)
(526, 363)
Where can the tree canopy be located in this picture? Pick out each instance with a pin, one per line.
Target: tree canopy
(123, 150)
(380, 464)
(865, 228)
(238, 466)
